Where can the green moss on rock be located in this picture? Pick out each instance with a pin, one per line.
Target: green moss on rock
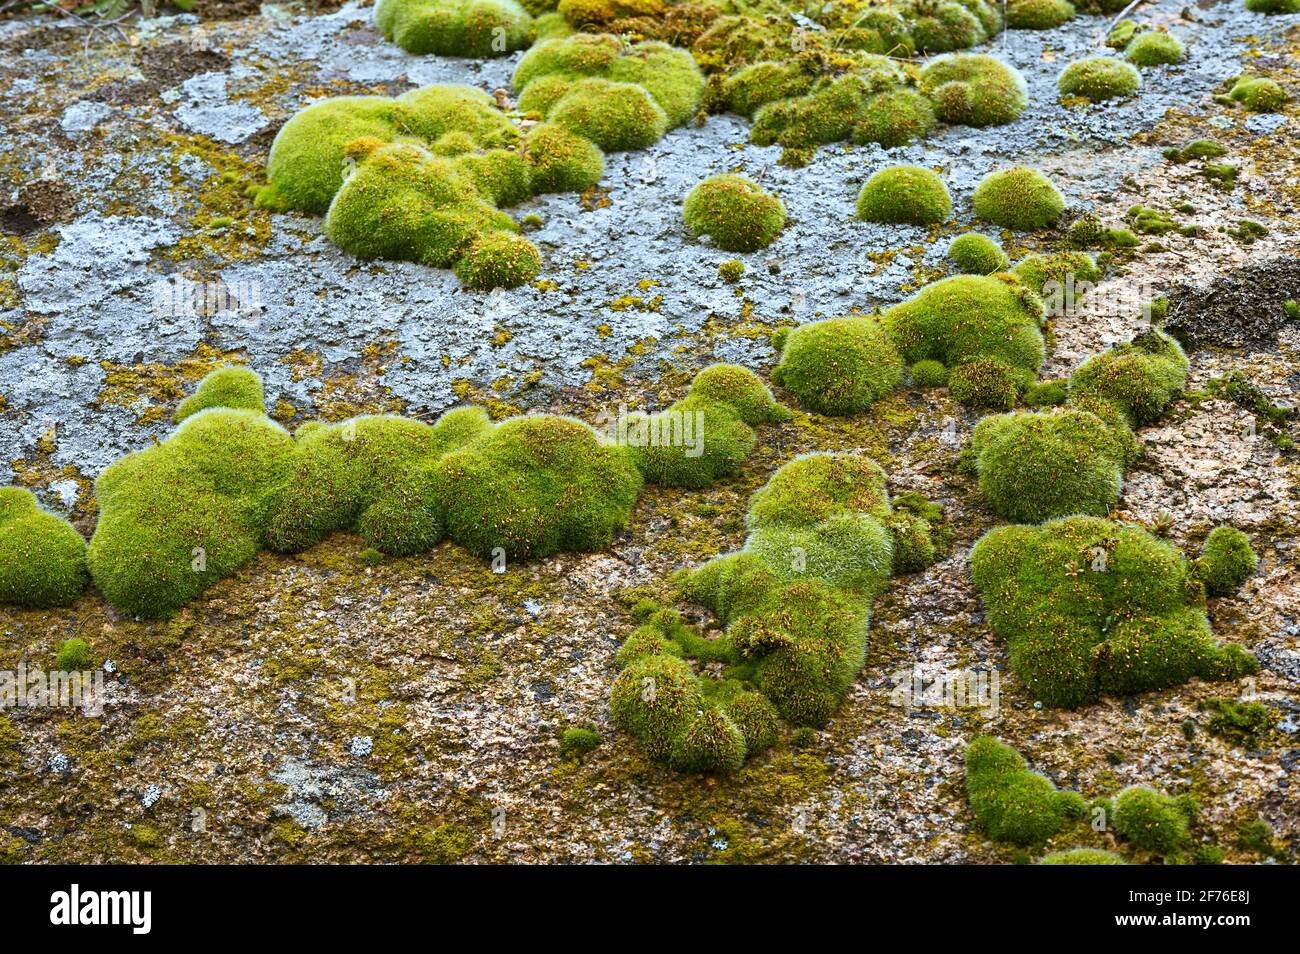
(1089, 607)
(904, 195)
(977, 254)
(1018, 198)
(477, 28)
(1099, 78)
(736, 213)
(974, 89)
(839, 366)
(1010, 802)
(1225, 561)
(42, 557)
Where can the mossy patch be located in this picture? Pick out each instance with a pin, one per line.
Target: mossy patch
(1089, 607)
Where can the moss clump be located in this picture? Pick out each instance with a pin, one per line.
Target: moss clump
(1018, 198)
(1225, 561)
(1273, 6)
(1099, 78)
(1257, 835)
(1241, 723)
(974, 90)
(226, 387)
(180, 515)
(74, 655)
(577, 741)
(1082, 856)
(1153, 48)
(893, 119)
(742, 390)
(1140, 378)
(1088, 232)
(969, 317)
(1089, 607)
(42, 557)
(311, 154)
(1258, 95)
(1011, 803)
(1058, 277)
(403, 202)
(614, 116)
(838, 366)
(1153, 821)
(534, 486)
(562, 161)
(423, 177)
(904, 194)
(984, 383)
(1046, 393)
(795, 603)
(454, 27)
(1038, 14)
(1122, 34)
(498, 260)
(1032, 467)
(735, 212)
(977, 254)
(1196, 149)
(929, 374)
(1155, 222)
(619, 98)
(731, 270)
(705, 436)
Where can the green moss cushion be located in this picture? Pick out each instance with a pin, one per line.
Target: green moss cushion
(42, 557)
(1091, 607)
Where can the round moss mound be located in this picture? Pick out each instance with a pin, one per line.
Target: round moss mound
(479, 28)
(534, 486)
(562, 161)
(1010, 802)
(615, 116)
(974, 90)
(74, 655)
(1099, 78)
(737, 213)
(929, 374)
(1225, 561)
(404, 203)
(655, 698)
(1258, 95)
(893, 118)
(1140, 377)
(977, 254)
(1038, 14)
(1153, 48)
(1153, 821)
(838, 366)
(692, 443)
(498, 260)
(224, 387)
(588, 83)
(970, 317)
(712, 742)
(741, 390)
(1018, 198)
(1090, 607)
(42, 557)
(1058, 277)
(1082, 856)
(984, 383)
(1034, 467)
(906, 195)
(178, 516)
